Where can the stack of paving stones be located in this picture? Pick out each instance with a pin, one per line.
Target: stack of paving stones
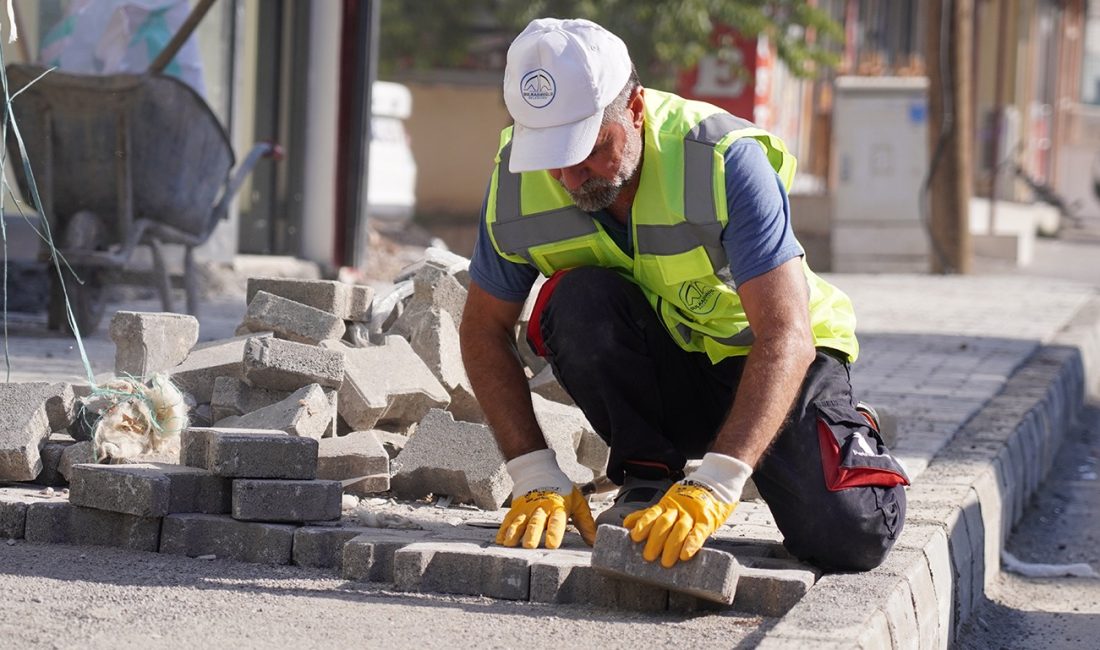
(326, 391)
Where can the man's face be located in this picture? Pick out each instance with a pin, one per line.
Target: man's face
(595, 182)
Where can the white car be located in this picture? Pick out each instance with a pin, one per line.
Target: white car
(391, 182)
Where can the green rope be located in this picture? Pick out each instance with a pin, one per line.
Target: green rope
(55, 256)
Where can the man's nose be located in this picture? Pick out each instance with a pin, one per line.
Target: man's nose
(573, 177)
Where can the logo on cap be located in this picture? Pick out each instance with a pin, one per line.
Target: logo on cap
(537, 88)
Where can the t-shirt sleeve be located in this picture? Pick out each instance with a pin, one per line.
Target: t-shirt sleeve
(501, 278)
(758, 237)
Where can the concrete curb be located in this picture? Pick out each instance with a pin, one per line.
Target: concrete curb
(961, 509)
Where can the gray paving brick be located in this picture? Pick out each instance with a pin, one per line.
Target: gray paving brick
(286, 501)
(285, 365)
(369, 556)
(291, 320)
(24, 424)
(433, 336)
(59, 522)
(465, 568)
(207, 362)
(13, 510)
(149, 489)
(459, 459)
(75, 454)
(711, 574)
(147, 343)
(567, 577)
(358, 454)
(322, 547)
(326, 295)
(225, 537)
(232, 396)
(387, 384)
(236, 453)
(307, 413)
(60, 399)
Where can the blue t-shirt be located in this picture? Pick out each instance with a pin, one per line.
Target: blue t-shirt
(757, 238)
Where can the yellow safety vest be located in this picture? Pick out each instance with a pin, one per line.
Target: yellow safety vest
(677, 219)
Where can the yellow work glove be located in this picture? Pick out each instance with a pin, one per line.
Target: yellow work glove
(543, 499)
(676, 528)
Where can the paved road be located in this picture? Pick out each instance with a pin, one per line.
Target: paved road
(1061, 527)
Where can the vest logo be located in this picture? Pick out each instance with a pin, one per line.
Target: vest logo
(537, 88)
(698, 298)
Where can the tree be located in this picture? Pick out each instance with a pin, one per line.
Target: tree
(662, 36)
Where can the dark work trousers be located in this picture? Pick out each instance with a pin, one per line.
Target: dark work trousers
(657, 406)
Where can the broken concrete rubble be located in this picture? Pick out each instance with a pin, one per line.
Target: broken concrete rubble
(291, 320)
(308, 412)
(386, 384)
(148, 343)
(459, 459)
(24, 425)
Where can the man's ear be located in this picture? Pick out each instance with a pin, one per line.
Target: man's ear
(637, 107)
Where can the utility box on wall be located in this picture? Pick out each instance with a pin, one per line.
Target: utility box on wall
(880, 154)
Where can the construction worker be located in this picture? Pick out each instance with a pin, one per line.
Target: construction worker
(679, 314)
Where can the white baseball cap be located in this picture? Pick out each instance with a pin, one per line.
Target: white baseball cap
(560, 76)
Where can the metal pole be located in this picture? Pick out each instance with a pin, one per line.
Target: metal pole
(998, 111)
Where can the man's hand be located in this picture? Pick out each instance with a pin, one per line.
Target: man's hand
(543, 499)
(676, 528)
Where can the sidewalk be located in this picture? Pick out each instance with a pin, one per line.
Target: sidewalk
(983, 375)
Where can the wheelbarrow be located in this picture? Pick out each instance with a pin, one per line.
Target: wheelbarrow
(122, 161)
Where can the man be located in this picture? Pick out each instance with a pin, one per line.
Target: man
(678, 314)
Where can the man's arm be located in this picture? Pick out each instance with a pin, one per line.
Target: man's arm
(777, 306)
(496, 374)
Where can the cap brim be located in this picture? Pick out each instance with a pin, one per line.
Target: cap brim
(553, 147)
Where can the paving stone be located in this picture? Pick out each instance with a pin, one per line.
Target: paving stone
(24, 425)
(387, 384)
(393, 443)
(544, 383)
(459, 459)
(322, 547)
(75, 454)
(291, 320)
(465, 568)
(149, 489)
(13, 509)
(290, 501)
(435, 286)
(326, 295)
(359, 453)
(234, 397)
(147, 343)
(51, 460)
(711, 574)
(452, 264)
(60, 522)
(207, 362)
(567, 577)
(369, 556)
(241, 453)
(285, 365)
(564, 427)
(307, 413)
(60, 399)
(225, 537)
(433, 336)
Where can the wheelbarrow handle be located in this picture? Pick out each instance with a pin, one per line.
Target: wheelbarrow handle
(236, 179)
(189, 24)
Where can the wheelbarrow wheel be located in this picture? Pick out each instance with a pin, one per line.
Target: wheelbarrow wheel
(84, 231)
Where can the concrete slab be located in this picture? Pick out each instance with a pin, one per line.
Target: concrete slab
(24, 425)
(308, 413)
(291, 320)
(284, 365)
(147, 343)
(386, 384)
(459, 459)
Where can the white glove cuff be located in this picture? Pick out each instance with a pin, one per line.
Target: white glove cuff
(537, 470)
(724, 475)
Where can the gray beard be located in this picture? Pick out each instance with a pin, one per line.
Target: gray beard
(597, 194)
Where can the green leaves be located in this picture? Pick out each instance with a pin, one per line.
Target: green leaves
(663, 37)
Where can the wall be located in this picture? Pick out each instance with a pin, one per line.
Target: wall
(454, 132)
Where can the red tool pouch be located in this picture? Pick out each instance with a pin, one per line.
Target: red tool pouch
(534, 324)
(852, 453)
